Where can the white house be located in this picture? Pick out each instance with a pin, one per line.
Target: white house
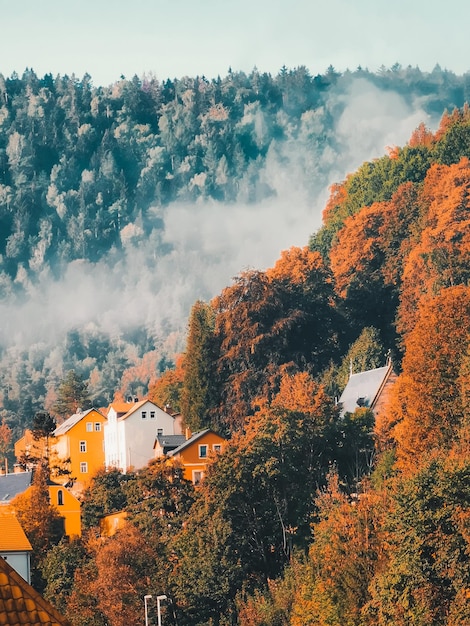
(131, 430)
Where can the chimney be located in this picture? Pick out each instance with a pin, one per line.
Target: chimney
(187, 433)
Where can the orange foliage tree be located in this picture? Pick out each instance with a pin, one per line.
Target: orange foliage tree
(440, 258)
(426, 402)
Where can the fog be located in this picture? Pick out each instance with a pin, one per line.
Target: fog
(158, 277)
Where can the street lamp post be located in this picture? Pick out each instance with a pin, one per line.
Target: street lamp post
(146, 599)
(159, 617)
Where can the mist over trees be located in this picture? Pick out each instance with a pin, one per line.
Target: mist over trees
(87, 173)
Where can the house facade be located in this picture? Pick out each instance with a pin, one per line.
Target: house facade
(197, 452)
(130, 432)
(67, 505)
(80, 439)
(14, 545)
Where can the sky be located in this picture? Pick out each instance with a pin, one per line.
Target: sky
(175, 38)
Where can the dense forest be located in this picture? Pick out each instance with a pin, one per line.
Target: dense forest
(306, 518)
(89, 174)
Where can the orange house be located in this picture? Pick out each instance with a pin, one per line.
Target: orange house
(80, 439)
(197, 452)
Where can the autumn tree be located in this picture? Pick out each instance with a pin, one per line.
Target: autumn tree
(167, 389)
(439, 257)
(268, 320)
(41, 521)
(427, 575)
(5, 441)
(426, 404)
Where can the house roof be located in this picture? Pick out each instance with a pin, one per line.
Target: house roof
(13, 484)
(189, 441)
(71, 421)
(170, 441)
(120, 407)
(363, 388)
(12, 536)
(21, 604)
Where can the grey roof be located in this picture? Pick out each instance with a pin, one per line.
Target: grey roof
(71, 421)
(170, 441)
(362, 389)
(13, 484)
(189, 441)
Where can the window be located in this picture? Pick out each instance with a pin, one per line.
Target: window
(82, 446)
(60, 497)
(217, 447)
(152, 415)
(97, 427)
(159, 432)
(203, 451)
(144, 415)
(197, 476)
(89, 427)
(83, 468)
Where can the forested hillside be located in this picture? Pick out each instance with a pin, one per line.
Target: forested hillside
(306, 517)
(89, 174)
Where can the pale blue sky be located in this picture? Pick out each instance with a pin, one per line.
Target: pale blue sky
(173, 38)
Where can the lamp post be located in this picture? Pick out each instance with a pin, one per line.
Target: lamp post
(159, 617)
(146, 599)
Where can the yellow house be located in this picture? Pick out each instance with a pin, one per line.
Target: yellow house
(68, 507)
(80, 442)
(110, 524)
(28, 447)
(196, 452)
(66, 504)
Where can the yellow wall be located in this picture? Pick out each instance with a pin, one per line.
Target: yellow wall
(68, 445)
(110, 524)
(69, 509)
(189, 456)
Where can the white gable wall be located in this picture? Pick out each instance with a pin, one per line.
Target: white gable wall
(129, 440)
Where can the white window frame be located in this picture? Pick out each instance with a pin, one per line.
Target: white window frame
(217, 447)
(97, 427)
(198, 476)
(206, 448)
(83, 445)
(144, 415)
(83, 467)
(152, 415)
(89, 427)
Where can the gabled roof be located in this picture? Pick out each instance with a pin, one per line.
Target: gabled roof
(120, 407)
(13, 484)
(71, 421)
(170, 442)
(12, 536)
(363, 389)
(21, 604)
(190, 441)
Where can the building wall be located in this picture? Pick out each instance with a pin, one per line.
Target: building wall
(129, 439)
(84, 444)
(195, 463)
(68, 507)
(20, 562)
